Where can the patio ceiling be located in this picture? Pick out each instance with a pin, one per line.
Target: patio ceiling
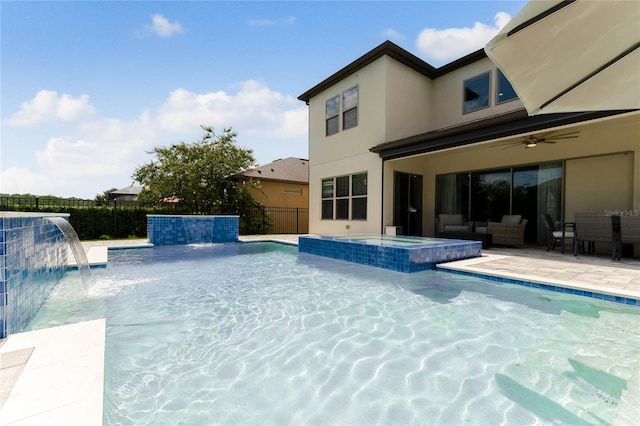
(503, 126)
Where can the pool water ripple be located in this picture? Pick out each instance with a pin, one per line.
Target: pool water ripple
(257, 334)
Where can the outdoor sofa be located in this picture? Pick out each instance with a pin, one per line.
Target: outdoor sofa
(509, 231)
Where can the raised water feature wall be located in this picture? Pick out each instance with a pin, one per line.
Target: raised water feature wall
(33, 258)
(163, 230)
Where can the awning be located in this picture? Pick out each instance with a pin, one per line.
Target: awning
(572, 56)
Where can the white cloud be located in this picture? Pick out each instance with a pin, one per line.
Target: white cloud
(392, 34)
(48, 106)
(271, 22)
(98, 153)
(253, 109)
(162, 27)
(443, 45)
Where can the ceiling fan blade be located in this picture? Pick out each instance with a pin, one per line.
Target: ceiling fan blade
(570, 135)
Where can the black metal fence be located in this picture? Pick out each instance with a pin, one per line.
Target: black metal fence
(127, 219)
(281, 220)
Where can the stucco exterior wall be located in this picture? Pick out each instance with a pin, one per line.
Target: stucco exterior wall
(347, 152)
(282, 194)
(408, 101)
(448, 95)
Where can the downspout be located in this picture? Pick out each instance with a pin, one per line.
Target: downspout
(382, 202)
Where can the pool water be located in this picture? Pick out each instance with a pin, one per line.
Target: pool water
(259, 334)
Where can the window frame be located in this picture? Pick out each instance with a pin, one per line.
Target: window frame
(497, 91)
(464, 91)
(341, 201)
(345, 110)
(328, 118)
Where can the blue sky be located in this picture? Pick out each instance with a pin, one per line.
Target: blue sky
(87, 88)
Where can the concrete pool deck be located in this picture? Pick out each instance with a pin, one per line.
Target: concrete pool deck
(56, 376)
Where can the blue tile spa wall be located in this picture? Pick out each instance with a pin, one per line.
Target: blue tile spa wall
(423, 254)
(163, 230)
(33, 258)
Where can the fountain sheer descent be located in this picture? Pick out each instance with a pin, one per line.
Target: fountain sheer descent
(76, 248)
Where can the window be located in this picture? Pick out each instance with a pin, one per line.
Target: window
(327, 198)
(350, 108)
(349, 111)
(476, 93)
(332, 113)
(348, 194)
(504, 90)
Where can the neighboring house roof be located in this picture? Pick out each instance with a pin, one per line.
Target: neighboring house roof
(289, 169)
(399, 54)
(129, 192)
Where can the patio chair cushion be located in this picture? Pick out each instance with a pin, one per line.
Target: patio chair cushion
(456, 228)
(451, 219)
(512, 219)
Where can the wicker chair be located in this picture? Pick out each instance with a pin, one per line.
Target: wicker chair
(630, 229)
(452, 223)
(508, 232)
(594, 228)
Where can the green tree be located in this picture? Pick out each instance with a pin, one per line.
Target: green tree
(200, 174)
(103, 199)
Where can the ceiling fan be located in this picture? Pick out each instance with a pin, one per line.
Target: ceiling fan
(532, 141)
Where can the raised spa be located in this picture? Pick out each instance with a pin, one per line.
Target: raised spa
(404, 254)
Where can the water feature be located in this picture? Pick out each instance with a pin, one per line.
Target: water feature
(260, 334)
(76, 248)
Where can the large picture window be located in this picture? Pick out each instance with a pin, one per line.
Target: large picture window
(476, 93)
(345, 197)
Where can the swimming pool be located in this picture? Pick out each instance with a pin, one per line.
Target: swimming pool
(259, 334)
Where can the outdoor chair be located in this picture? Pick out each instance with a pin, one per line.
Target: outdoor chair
(630, 229)
(452, 223)
(594, 227)
(509, 231)
(554, 234)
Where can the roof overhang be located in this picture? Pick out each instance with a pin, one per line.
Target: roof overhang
(394, 51)
(506, 125)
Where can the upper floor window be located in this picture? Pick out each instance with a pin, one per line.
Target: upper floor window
(504, 91)
(476, 92)
(350, 108)
(332, 113)
(345, 197)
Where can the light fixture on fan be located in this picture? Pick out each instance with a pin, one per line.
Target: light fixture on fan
(533, 141)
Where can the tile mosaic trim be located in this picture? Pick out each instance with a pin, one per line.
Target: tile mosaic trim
(33, 258)
(550, 287)
(419, 255)
(184, 229)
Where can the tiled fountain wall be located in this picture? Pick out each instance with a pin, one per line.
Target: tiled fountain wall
(33, 258)
(165, 230)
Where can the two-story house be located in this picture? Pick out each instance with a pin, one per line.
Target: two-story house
(395, 141)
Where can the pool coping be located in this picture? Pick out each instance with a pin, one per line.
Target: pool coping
(61, 381)
(466, 267)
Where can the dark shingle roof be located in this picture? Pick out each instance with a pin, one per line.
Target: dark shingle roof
(289, 169)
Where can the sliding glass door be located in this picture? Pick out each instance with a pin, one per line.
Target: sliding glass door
(487, 195)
